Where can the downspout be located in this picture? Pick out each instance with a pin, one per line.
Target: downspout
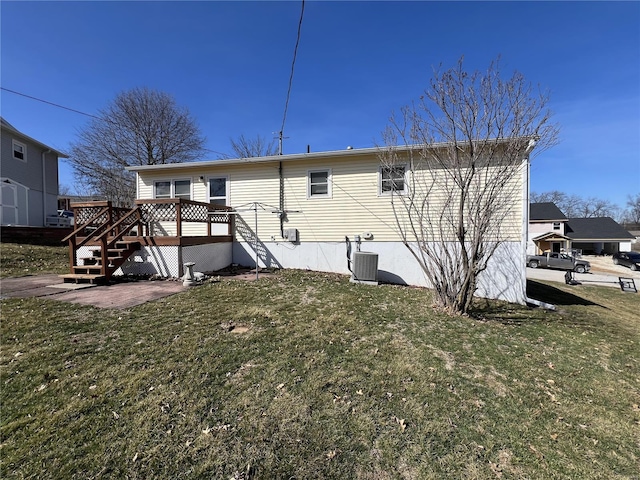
(525, 222)
(525, 225)
(44, 187)
(281, 206)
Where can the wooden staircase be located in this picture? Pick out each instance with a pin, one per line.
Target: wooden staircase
(103, 233)
(93, 270)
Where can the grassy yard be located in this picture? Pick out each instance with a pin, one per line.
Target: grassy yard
(321, 378)
(17, 260)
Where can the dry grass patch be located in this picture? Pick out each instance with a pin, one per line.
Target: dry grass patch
(325, 383)
(17, 260)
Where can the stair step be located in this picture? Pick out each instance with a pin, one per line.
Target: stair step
(97, 262)
(92, 268)
(126, 245)
(87, 270)
(82, 278)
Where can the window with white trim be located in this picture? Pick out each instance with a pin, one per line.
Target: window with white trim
(182, 189)
(162, 190)
(392, 179)
(319, 183)
(556, 225)
(218, 190)
(19, 151)
(172, 189)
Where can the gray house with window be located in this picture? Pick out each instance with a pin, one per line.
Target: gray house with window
(28, 179)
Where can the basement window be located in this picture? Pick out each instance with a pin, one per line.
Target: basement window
(19, 151)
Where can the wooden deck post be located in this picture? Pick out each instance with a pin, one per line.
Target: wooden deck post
(179, 218)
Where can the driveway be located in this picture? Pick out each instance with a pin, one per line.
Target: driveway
(603, 272)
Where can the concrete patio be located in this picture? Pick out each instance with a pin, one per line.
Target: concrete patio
(118, 295)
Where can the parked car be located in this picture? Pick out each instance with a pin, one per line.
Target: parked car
(66, 214)
(558, 260)
(628, 259)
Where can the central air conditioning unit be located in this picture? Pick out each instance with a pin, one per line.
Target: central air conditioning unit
(365, 267)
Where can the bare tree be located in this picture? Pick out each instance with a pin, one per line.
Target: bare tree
(597, 207)
(574, 206)
(244, 147)
(140, 127)
(632, 212)
(466, 143)
(568, 204)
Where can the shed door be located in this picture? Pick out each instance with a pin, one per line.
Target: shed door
(9, 213)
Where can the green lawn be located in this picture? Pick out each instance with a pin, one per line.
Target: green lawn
(321, 378)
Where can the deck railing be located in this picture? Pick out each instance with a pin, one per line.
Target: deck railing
(167, 212)
(100, 224)
(158, 217)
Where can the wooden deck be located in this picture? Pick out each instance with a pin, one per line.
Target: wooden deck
(113, 234)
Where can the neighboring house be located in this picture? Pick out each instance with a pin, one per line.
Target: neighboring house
(633, 229)
(28, 179)
(547, 226)
(598, 235)
(551, 231)
(305, 210)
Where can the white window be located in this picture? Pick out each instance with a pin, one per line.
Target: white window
(392, 179)
(163, 189)
(182, 189)
(173, 189)
(19, 151)
(218, 190)
(556, 225)
(319, 184)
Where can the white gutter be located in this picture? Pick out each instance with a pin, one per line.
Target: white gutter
(353, 152)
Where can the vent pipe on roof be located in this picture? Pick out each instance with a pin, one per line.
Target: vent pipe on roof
(349, 147)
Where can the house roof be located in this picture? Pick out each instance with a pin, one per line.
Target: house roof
(8, 127)
(551, 236)
(596, 229)
(349, 152)
(545, 211)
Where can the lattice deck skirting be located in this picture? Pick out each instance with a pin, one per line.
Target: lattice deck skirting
(168, 261)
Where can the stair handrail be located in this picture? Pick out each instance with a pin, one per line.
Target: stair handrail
(73, 236)
(121, 234)
(86, 224)
(105, 244)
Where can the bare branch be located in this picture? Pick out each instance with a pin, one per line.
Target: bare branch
(140, 127)
(244, 147)
(466, 142)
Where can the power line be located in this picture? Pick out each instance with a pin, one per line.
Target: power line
(293, 64)
(49, 103)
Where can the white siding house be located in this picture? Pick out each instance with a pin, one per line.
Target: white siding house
(319, 200)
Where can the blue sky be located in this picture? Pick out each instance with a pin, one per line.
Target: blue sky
(229, 64)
